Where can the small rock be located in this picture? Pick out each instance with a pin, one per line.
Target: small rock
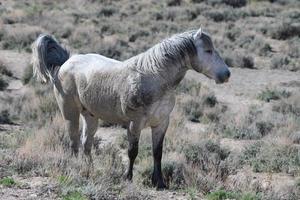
(33, 195)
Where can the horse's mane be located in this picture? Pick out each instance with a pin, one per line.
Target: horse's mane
(171, 51)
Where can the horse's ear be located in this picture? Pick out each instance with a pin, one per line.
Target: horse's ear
(198, 33)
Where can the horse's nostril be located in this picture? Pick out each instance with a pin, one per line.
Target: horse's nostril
(228, 73)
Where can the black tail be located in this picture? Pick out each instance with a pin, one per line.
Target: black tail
(47, 57)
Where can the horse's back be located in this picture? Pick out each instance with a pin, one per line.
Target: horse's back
(85, 62)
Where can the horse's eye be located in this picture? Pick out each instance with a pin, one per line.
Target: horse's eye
(209, 51)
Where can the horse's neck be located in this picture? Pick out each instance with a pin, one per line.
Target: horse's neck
(171, 77)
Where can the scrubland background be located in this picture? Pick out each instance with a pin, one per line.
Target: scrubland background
(240, 140)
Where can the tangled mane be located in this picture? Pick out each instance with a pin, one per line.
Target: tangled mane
(175, 50)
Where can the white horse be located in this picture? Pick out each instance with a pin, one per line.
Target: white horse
(138, 92)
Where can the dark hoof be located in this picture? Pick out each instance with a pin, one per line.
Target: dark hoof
(161, 186)
(75, 153)
(158, 183)
(127, 176)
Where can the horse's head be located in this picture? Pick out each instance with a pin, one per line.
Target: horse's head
(208, 61)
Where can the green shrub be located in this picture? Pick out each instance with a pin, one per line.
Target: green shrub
(223, 195)
(273, 94)
(7, 181)
(74, 195)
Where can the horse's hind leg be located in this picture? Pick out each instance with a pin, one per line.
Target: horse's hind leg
(90, 124)
(158, 134)
(70, 112)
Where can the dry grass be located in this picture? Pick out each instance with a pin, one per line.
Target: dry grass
(249, 34)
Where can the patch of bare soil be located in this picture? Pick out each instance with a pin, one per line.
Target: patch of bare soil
(245, 84)
(16, 62)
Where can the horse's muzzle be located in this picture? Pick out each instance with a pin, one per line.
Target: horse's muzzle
(223, 77)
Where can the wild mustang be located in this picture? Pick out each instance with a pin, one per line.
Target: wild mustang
(137, 93)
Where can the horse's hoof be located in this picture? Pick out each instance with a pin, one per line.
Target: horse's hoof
(127, 176)
(74, 153)
(161, 186)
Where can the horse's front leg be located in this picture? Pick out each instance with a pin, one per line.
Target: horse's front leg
(158, 134)
(133, 133)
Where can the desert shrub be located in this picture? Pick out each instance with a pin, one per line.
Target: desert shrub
(294, 47)
(190, 87)
(279, 62)
(196, 154)
(3, 83)
(204, 111)
(74, 195)
(233, 33)
(273, 94)
(145, 151)
(203, 107)
(284, 30)
(107, 11)
(20, 37)
(27, 75)
(46, 152)
(265, 157)
(295, 137)
(5, 117)
(288, 106)
(241, 132)
(264, 127)
(138, 34)
(239, 60)
(174, 2)
(4, 70)
(206, 165)
(197, 1)
(36, 106)
(210, 100)
(193, 110)
(224, 15)
(173, 174)
(247, 125)
(122, 141)
(235, 3)
(255, 44)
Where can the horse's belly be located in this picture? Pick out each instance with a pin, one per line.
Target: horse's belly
(112, 115)
(104, 106)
